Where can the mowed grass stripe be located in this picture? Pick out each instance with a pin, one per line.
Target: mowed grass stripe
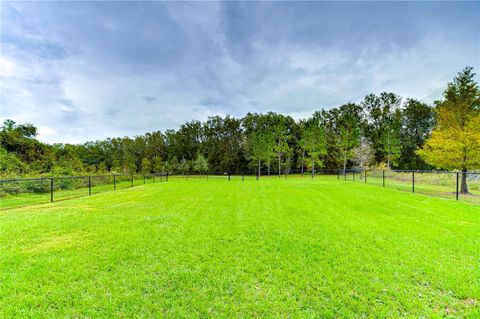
(268, 248)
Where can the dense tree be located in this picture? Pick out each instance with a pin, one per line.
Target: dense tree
(342, 127)
(184, 166)
(154, 145)
(115, 169)
(146, 166)
(189, 139)
(349, 127)
(330, 137)
(129, 165)
(383, 127)
(66, 161)
(282, 135)
(455, 141)
(328, 120)
(173, 165)
(102, 168)
(157, 164)
(201, 164)
(223, 143)
(258, 149)
(417, 124)
(315, 145)
(302, 144)
(11, 165)
(20, 140)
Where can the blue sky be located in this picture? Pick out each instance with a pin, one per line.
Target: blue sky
(90, 70)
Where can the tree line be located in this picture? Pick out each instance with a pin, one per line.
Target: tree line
(381, 131)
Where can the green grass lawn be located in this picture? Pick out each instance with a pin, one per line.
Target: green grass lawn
(268, 248)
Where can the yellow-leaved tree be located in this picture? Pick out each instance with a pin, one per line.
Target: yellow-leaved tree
(455, 140)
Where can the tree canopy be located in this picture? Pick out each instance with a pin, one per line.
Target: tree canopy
(455, 141)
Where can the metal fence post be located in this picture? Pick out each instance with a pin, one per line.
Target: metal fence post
(413, 181)
(353, 175)
(285, 174)
(338, 174)
(383, 178)
(89, 185)
(51, 190)
(166, 178)
(114, 182)
(228, 175)
(456, 193)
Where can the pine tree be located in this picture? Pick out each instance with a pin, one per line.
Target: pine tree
(455, 141)
(201, 164)
(146, 166)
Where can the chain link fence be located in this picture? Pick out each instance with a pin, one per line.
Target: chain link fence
(444, 184)
(253, 174)
(29, 191)
(464, 186)
(451, 185)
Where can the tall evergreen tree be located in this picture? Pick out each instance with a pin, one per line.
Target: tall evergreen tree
(455, 140)
(349, 126)
(201, 164)
(315, 145)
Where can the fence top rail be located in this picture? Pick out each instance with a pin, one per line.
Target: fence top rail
(10, 180)
(419, 171)
(409, 171)
(226, 173)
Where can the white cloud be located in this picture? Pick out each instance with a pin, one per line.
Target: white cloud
(88, 79)
(45, 132)
(7, 67)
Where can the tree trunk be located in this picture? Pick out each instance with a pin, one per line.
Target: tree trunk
(463, 184)
(313, 167)
(279, 164)
(388, 146)
(258, 167)
(303, 160)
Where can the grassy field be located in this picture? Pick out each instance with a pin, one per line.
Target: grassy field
(269, 248)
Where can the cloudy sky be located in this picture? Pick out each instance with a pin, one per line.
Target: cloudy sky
(88, 70)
